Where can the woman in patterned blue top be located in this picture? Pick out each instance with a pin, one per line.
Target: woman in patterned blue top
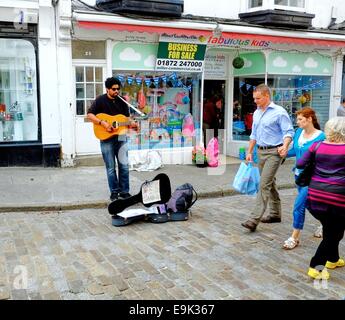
(307, 133)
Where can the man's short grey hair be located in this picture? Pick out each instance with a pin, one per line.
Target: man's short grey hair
(335, 130)
(263, 89)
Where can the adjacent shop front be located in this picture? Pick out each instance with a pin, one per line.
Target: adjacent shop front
(21, 141)
(19, 111)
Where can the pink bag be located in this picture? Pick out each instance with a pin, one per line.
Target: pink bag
(212, 152)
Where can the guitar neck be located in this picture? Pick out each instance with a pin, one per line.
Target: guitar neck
(120, 124)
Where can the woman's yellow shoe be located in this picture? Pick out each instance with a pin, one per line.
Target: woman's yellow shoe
(333, 265)
(315, 274)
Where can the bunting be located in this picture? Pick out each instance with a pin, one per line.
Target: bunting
(173, 78)
(285, 92)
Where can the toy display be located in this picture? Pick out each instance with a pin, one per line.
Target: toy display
(167, 103)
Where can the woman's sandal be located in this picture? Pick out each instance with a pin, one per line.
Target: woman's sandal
(318, 232)
(290, 243)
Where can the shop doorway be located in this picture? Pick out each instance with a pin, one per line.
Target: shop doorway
(214, 108)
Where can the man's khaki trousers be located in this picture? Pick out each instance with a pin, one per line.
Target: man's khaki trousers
(269, 162)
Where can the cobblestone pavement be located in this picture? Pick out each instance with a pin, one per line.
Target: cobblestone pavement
(80, 255)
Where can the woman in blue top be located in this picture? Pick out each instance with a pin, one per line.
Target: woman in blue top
(307, 133)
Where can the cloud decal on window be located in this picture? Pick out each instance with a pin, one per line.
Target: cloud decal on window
(311, 63)
(247, 63)
(129, 54)
(150, 61)
(279, 62)
(296, 69)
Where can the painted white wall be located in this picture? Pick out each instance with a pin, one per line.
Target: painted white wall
(324, 11)
(231, 9)
(50, 116)
(65, 81)
(219, 8)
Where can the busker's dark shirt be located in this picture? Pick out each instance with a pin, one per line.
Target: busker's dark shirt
(112, 107)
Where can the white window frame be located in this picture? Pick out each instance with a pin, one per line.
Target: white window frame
(269, 5)
(87, 63)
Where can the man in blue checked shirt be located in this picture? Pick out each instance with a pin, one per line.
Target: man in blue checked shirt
(272, 132)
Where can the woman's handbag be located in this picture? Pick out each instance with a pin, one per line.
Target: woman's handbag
(304, 178)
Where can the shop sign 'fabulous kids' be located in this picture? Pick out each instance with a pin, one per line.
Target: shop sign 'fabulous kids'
(238, 42)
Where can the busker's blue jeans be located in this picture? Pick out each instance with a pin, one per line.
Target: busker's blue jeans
(115, 150)
(299, 207)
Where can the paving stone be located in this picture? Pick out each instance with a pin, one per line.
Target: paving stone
(120, 284)
(178, 293)
(76, 286)
(112, 291)
(34, 296)
(4, 294)
(20, 294)
(51, 296)
(95, 289)
(104, 280)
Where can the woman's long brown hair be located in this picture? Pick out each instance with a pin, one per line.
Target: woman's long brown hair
(308, 112)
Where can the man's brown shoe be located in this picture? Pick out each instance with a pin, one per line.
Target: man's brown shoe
(249, 225)
(270, 219)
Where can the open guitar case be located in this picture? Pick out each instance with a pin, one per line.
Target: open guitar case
(157, 193)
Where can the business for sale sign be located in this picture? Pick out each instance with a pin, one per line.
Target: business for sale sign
(181, 53)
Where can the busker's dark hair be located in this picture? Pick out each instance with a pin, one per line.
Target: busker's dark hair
(109, 82)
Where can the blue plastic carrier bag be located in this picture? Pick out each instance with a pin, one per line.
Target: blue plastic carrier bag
(247, 179)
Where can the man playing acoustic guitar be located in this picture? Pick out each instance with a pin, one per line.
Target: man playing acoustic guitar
(114, 145)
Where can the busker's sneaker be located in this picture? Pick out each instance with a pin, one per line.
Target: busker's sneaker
(333, 265)
(124, 195)
(113, 196)
(315, 274)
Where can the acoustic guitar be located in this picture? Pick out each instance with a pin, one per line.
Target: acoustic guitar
(120, 124)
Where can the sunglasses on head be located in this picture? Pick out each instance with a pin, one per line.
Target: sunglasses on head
(115, 89)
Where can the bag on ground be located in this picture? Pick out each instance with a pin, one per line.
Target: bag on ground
(178, 206)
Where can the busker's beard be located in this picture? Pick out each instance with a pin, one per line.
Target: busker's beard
(112, 94)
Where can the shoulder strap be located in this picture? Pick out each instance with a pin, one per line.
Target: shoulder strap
(317, 146)
(313, 154)
(196, 196)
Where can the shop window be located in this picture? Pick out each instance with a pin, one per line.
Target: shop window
(171, 102)
(89, 85)
(290, 92)
(244, 106)
(18, 91)
(296, 92)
